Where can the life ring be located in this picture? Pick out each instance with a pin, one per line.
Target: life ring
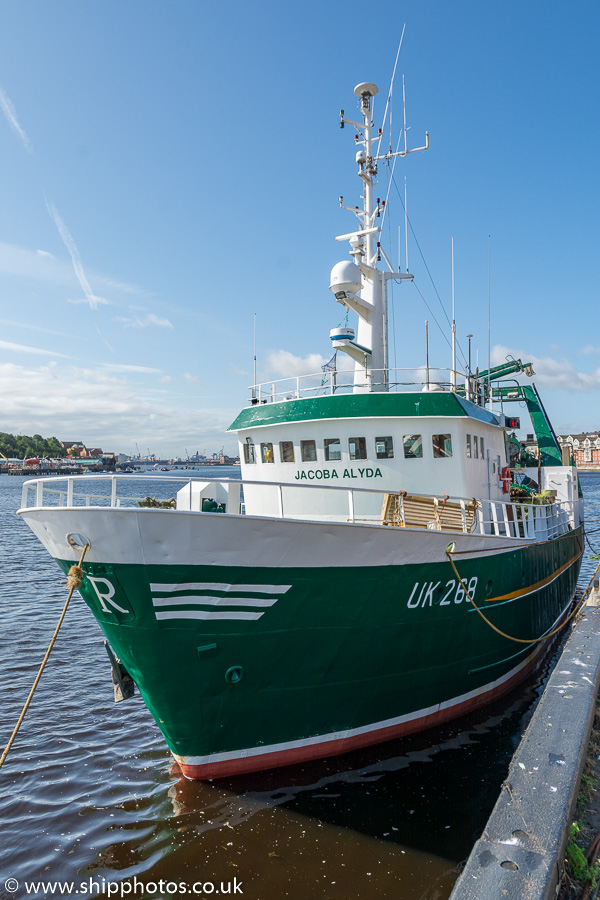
(505, 478)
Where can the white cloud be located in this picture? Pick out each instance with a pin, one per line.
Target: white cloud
(116, 367)
(98, 300)
(103, 410)
(32, 327)
(11, 116)
(73, 252)
(23, 348)
(191, 378)
(26, 263)
(550, 373)
(283, 364)
(143, 321)
(122, 286)
(103, 339)
(157, 320)
(43, 266)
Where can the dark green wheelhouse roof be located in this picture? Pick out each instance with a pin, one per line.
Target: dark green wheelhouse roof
(362, 406)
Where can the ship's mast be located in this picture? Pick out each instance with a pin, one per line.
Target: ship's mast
(370, 332)
(348, 279)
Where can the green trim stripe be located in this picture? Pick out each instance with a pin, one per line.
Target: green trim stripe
(357, 406)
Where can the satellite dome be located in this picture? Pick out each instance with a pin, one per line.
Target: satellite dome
(346, 277)
(366, 87)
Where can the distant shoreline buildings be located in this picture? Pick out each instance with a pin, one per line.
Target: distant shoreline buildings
(582, 448)
(78, 450)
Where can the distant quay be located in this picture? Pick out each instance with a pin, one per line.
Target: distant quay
(36, 471)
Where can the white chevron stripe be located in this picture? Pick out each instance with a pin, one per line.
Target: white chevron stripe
(224, 588)
(202, 614)
(213, 601)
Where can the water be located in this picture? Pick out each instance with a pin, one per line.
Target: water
(89, 790)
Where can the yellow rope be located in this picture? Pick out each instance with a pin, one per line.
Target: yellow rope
(74, 581)
(544, 637)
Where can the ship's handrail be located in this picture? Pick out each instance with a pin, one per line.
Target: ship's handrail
(512, 520)
(343, 381)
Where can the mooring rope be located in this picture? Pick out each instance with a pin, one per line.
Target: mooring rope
(74, 579)
(544, 637)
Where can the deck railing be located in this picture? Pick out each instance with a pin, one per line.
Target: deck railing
(343, 382)
(369, 506)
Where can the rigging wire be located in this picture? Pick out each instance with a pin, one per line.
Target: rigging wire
(462, 352)
(421, 252)
(431, 312)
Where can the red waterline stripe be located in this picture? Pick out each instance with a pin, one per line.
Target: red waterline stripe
(272, 760)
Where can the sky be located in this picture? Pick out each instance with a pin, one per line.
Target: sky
(171, 170)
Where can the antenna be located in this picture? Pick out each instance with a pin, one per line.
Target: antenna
(427, 352)
(404, 107)
(406, 224)
(388, 104)
(254, 382)
(469, 383)
(489, 317)
(453, 374)
(389, 155)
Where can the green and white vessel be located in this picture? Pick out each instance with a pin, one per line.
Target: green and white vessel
(343, 592)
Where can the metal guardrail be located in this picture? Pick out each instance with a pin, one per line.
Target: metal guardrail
(515, 521)
(342, 382)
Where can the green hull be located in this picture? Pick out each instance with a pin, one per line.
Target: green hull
(322, 660)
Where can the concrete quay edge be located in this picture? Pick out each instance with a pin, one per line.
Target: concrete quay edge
(520, 853)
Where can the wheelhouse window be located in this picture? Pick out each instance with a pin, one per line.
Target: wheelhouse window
(413, 446)
(308, 451)
(249, 454)
(266, 453)
(475, 448)
(468, 446)
(286, 451)
(442, 445)
(481, 450)
(384, 447)
(357, 447)
(333, 449)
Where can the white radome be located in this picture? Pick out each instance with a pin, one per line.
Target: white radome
(345, 276)
(366, 87)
